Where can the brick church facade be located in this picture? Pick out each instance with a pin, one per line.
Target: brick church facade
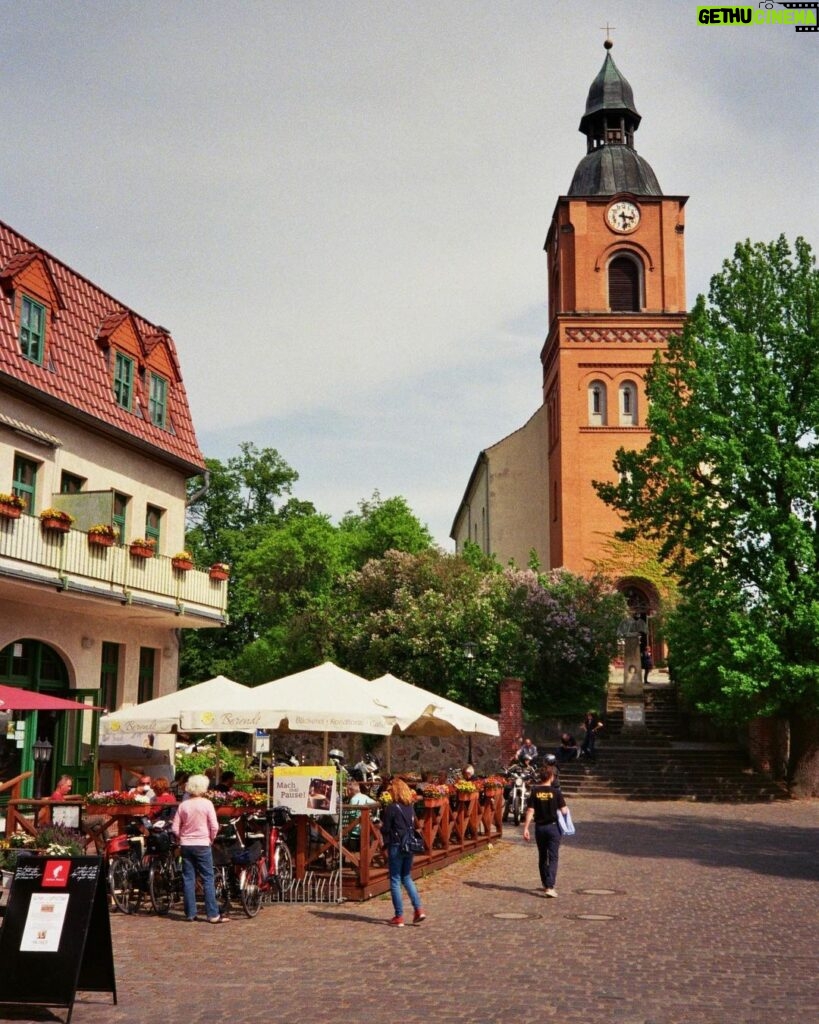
(616, 275)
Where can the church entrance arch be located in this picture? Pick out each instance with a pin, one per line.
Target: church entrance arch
(644, 603)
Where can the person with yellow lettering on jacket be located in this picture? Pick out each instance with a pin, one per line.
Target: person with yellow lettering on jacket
(544, 804)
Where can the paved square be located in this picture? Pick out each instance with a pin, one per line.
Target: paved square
(706, 914)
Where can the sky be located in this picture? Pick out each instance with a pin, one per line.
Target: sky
(338, 208)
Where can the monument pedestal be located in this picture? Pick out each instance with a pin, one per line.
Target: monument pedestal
(634, 707)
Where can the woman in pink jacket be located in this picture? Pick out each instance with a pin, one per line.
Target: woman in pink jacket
(195, 826)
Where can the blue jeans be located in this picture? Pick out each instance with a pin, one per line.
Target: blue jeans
(198, 860)
(547, 838)
(400, 865)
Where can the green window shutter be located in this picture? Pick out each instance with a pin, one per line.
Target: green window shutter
(32, 329)
(153, 521)
(109, 672)
(25, 481)
(123, 380)
(147, 659)
(158, 400)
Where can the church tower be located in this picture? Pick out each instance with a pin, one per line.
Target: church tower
(616, 272)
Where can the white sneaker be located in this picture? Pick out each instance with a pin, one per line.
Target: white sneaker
(551, 893)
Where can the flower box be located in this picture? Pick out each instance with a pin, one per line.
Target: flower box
(433, 801)
(10, 509)
(182, 564)
(138, 550)
(100, 540)
(219, 571)
(54, 525)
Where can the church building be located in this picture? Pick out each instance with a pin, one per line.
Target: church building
(616, 280)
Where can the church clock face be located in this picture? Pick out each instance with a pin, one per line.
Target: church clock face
(623, 216)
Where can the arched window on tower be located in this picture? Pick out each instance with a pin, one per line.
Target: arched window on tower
(624, 285)
(597, 404)
(628, 404)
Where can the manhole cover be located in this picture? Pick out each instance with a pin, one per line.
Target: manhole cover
(594, 917)
(598, 892)
(511, 916)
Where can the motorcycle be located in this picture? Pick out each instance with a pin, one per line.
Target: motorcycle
(366, 771)
(516, 792)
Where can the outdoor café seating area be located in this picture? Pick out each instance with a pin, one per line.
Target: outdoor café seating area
(348, 856)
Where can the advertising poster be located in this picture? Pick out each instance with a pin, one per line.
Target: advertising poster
(44, 923)
(306, 789)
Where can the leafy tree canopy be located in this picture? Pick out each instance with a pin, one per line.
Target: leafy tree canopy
(729, 485)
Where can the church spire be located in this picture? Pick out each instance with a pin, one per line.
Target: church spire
(611, 163)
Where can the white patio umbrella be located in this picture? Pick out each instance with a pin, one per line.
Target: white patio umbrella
(421, 712)
(163, 714)
(321, 699)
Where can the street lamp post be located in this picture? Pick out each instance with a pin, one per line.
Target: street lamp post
(469, 654)
(41, 750)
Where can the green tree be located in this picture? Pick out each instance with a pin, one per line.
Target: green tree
(413, 616)
(729, 485)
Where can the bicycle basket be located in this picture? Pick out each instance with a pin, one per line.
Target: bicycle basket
(249, 855)
(159, 842)
(281, 816)
(223, 852)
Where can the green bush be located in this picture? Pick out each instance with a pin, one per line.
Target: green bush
(195, 764)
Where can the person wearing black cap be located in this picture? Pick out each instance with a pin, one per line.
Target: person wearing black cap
(544, 804)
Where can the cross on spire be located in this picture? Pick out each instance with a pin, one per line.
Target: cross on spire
(608, 29)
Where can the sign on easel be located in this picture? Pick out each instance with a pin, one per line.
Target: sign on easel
(56, 934)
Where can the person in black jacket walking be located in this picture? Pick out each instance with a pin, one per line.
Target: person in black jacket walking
(397, 820)
(544, 804)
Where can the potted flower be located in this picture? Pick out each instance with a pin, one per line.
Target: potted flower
(56, 520)
(219, 571)
(465, 790)
(142, 547)
(182, 561)
(102, 535)
(56, 841)
(434, 795)
(11, 506)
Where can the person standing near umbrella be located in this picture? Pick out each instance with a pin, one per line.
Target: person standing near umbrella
(195, 826)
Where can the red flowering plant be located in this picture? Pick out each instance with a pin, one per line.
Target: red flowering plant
(236, 798)
(434, 791)
(492, 783)
(111, 796)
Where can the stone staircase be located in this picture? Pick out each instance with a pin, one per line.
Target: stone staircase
(661, 763)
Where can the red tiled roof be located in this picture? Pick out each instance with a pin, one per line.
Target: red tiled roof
(77, 365)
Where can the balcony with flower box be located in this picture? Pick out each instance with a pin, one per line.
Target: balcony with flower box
(61, 558)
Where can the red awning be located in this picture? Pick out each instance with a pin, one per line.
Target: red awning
(14, 698)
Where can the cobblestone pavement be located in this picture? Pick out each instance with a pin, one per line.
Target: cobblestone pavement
(707, 914)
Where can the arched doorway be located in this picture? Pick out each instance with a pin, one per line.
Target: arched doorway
(644, 601)
(33, 665)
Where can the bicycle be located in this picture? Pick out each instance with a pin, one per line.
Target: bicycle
(165, 871)
(127, 873)
(275, 866)
(236, 872)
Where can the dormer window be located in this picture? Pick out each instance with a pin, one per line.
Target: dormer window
(158, 400)
(123, 380)
(32, 329)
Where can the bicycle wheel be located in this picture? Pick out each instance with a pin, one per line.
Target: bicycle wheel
(221, 883)
(282, 868)
(123, 884)
(161, 885)
(250, 893)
